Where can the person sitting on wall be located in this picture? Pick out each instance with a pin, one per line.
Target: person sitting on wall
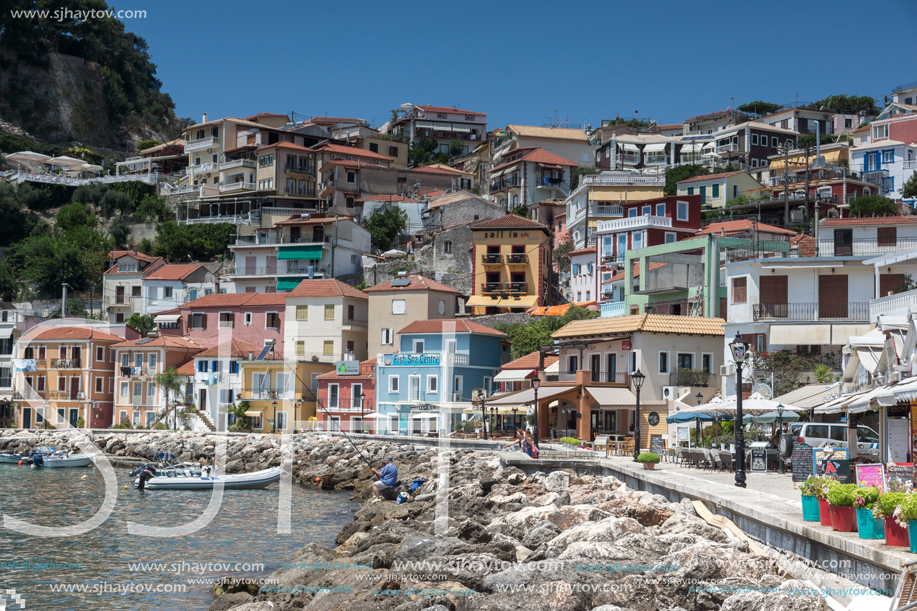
(388, 477)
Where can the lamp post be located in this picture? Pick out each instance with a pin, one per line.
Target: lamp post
(637, 378)
(483, 416)
(274, 421)
(514, 416)
(782, 465)
(362, 402)
(699, 397)
(536, 383)
(739, 348)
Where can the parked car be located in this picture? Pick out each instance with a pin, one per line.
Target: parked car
(823, 434)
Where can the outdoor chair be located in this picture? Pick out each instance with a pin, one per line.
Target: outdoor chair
(600, 442)
(679, 456)
(726, 458)
(693, 456)
(715, 460)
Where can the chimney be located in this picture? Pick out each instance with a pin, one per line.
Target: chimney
(205, 118)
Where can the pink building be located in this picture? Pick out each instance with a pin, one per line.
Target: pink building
(252, 317)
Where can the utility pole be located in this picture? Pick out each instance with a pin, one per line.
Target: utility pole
(806, 209)
(63, 305)
(786, 183)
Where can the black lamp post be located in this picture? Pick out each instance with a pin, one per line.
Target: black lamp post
(637, 378)
(493, 419)
(536, 383)
(483, 416)
(782, 465)
(362, 403)
(514, 417)
(739, 349)
(274, 421)
(699, 397)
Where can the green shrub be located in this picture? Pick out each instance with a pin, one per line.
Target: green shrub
(648, 457)
(866, 496)
(809, 487)
(908, 509)
(572, 441)
(842, 495)
(887, 503)
(159, 426)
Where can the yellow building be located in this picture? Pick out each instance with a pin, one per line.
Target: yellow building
(511, 265)
(281, 392)
(717, 189)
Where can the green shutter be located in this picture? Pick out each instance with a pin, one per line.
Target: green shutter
(716, 190)
(288, 284)
(299, 253)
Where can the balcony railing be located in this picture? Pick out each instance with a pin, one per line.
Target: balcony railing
(858, 310)
(629, 158)
(65, 363)
(596, 377)
(551, 182)
(297, 169)
(259, 238)
(862, 247)
(910, 164)
(892, 304)
(613, 258)
(516, 258)
(499, 185)
(600, 210)
(692, 377)
(493, 259)
(202, 143)
(201, 167)
(607, 178)
(634, 222)
(491, 287)
(237, 163)
(516, 287)
(237, 186)
(610, 309)
(139, 371)
(727, 148)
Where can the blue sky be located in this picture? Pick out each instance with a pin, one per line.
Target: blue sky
(521, 62)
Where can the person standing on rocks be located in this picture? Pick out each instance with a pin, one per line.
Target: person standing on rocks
(388, 477)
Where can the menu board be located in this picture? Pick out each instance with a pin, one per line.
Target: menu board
(871, 475)
(837, 469)
(820, 455)
(656, 444)
(902, 473)
(758, 460)
(803, 467)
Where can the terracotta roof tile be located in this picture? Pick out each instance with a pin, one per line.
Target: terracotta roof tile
(537, 155)
(417, 283)
(298, 220)
(509, 221)
(530, 361)
(647, 323)
(285, 145)
(581, 251)
(263, 114)
(350, 150)
(742, 225)
(187, 369)
(325, 288)
(77, 333)
(237, 299)
(449, 109)
(385, 198)
(711, 176)
(161, 341)
(235, 347)
(871, 220)
(623, 273)
(451, 325)
(174, 271)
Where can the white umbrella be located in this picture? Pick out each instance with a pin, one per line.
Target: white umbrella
(394, 254)
(755, 404)
(27, 157)
(64, 161)
(88, 167)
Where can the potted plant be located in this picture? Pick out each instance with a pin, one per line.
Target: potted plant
(810, 499)
(907, 514)
(649, 460)
(843, 516)
(867, 525)
(823, 484)
(886, 508)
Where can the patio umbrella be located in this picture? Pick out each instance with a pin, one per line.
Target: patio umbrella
(755, 405)
(770, 417)
(394, 254)
(27, 157)
(88, 167)
(66, 162)
(682, 417)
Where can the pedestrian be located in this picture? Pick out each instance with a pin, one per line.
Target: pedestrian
(388, 477)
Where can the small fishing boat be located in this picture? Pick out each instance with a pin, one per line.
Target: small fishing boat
(149, 478)
(165, 462)
(52, 459)
(14, 458)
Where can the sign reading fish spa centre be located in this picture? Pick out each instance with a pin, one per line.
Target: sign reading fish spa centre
(410, 360)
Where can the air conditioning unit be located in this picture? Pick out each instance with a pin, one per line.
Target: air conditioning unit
(81, 396)
(728, 369)
(669, 392)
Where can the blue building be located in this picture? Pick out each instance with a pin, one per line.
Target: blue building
(428, 385)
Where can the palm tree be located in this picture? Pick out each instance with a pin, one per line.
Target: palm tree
(171, 382)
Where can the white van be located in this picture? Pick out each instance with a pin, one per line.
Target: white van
(823, 434)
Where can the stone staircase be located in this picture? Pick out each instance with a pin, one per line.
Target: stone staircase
(206, 421)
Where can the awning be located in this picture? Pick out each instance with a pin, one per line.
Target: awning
(656, 147)
(288, 284)
(710, 146)
(549, 166)
(525, 301)
(463, 130)
(311, 252)
(162, 318)
(813, 335)
(254, 412)
(627, 146)
(808, 397)
(863, 402)
(617, 397)
(513, 375)
(424, 126)
(425, 416)
(693, 145)
(869, 359)
(906, 390)
(528, 395)
(7, 332)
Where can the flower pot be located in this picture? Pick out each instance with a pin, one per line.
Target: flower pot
(809, 508)
(895, 535)
(912, 535)
(649, 466)
(868, 526)
(824, 512)
(843, 519)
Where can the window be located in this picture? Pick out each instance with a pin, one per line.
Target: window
(138, 360)
(738, 290)
(266, 161)
(100, 385)
(397, 306)
(848, 123)
(198, 320)
(272, 320)
(663, 362)
(202, 366)
(233, 367)
(735, 191)
(670, 237)
(690, 190)
(887, 236)
(138, 390)
(351, 177)
(632, 213)
(413, 388)
(888, 156)
(457, 385)
(576, 269)
(328, 348)
(387, 337)
(715, 190)
(257, 423)
(432, 384)
(682, 211)
(393, 151)
(329, 311)
(879, 131)
(300, 348)
(100, 353)
(281, 421)
(226, 320)
(167, 292)
(647, 211)
(442, 307)
(356, 398)
(374, 147)
(573, 364)
(447, 247)
(393, 384)
(152, 360)
(418, 346)
(754, 139)
(579, 296)
(774, 142)
(637, 239)
(302, 312)
(150, 392)
(660, 209)
(247, 318)
(685, 360)
(135, 291)
(588, 295)
(706, 362)
(333, 399)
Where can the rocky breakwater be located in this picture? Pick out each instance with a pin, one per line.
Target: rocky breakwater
(507, 542)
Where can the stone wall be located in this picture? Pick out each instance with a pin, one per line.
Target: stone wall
(510, 318)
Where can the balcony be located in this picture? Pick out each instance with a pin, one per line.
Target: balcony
(201, 143)
(65, 363)
(516, 258)
(910, 164)
(725, 149)
(257, 239)
(237, 163)
(858, 310)
(298, 169)
(551, 182)
(200, 168)
(610, 309)
(629, 158)
(692, 377)
(609, 258)
(634, 222)
(892, 304)
(237, 186)
(138, 371)
(516, 287)
(596, 377)
(508, 183)
(865, 247)
(600, 210)
(492, 259)
(491, 287)
(619, 179)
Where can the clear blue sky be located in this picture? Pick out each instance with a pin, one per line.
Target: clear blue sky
(521, 62)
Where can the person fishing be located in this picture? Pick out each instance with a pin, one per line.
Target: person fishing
(388, 477)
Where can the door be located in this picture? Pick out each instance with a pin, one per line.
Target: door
(773, 296)
(595, 423)
(119, 294)
(26, 418)
(414, 388)
(832, 296)
(75, 357)
(294, 234)
(843, 242)
(74, 416)
(74, 388)
(612, 366)
(703, 196)
(251, 265)
(202, 400)
(318, 234)
(889, 283)
(610, 421)
(596, 367)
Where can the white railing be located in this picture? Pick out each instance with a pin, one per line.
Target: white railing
(285, 211)
(235, 219)
(727, 148)
(600, 210)
(55, 179)
(237, 186)
(202, 167)
(634, 222)
(898, 304)
(910, 165)
(456, 359)
(201, 143)
(237, 163)
(654, 180)
(612, 309)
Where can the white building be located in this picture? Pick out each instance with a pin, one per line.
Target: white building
(582, 275)
(217, 379)
(326, 321)
(122, 283)
(175, 284)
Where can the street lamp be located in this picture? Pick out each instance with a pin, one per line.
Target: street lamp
(536, 383)
(782, 469)
(514, 416)
(638, 378)
(274, 421)
(483, 414)
(699, 397)
(493, 415)
(362, 402)
(739, 348)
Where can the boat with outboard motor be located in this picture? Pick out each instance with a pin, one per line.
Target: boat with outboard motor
(15, 458)
(149, 478)
(53, 459)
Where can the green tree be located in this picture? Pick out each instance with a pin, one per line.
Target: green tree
(154, 208)
(679, 173)
(384, 225)
(143, 323)
(529, 337)
(120, 231)
(171, 382)
(809, 139)
(75, 215)
(561, 254)
(147, 144)
(522, 210)
(759, 107)
(204, 242)
(114, 200)
(910, 187)
(145, 246)
(578, 172)
(422, 150)
(17, 222)
(873, 205)
(848, 104)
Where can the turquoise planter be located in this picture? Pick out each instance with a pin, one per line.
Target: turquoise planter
(912, 535)
(868, 526)
(810, 509)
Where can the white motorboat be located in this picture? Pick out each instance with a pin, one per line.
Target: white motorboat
(150, 478)
(58, 460)
(13, 458)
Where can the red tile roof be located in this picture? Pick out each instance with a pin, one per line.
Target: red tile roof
(235, 347)
(385, 198)
(509, 221)
(187, 369)
(581, 251)
(668, 126)
(530, 361)
(263, 114)
(339, 149)
(870, 220)
(68, 333)
(431, 170)
(332, 120)
(325, 288)
(285, 145)
(117, 254)
(449, 325)
(729, 227)
(417, 283)
(537, 155)
(711, 176)
(162, 341)
(353, 163)
(237, 300)
(449, 109)
(621, 274)
(321, 220)
(174, 271)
